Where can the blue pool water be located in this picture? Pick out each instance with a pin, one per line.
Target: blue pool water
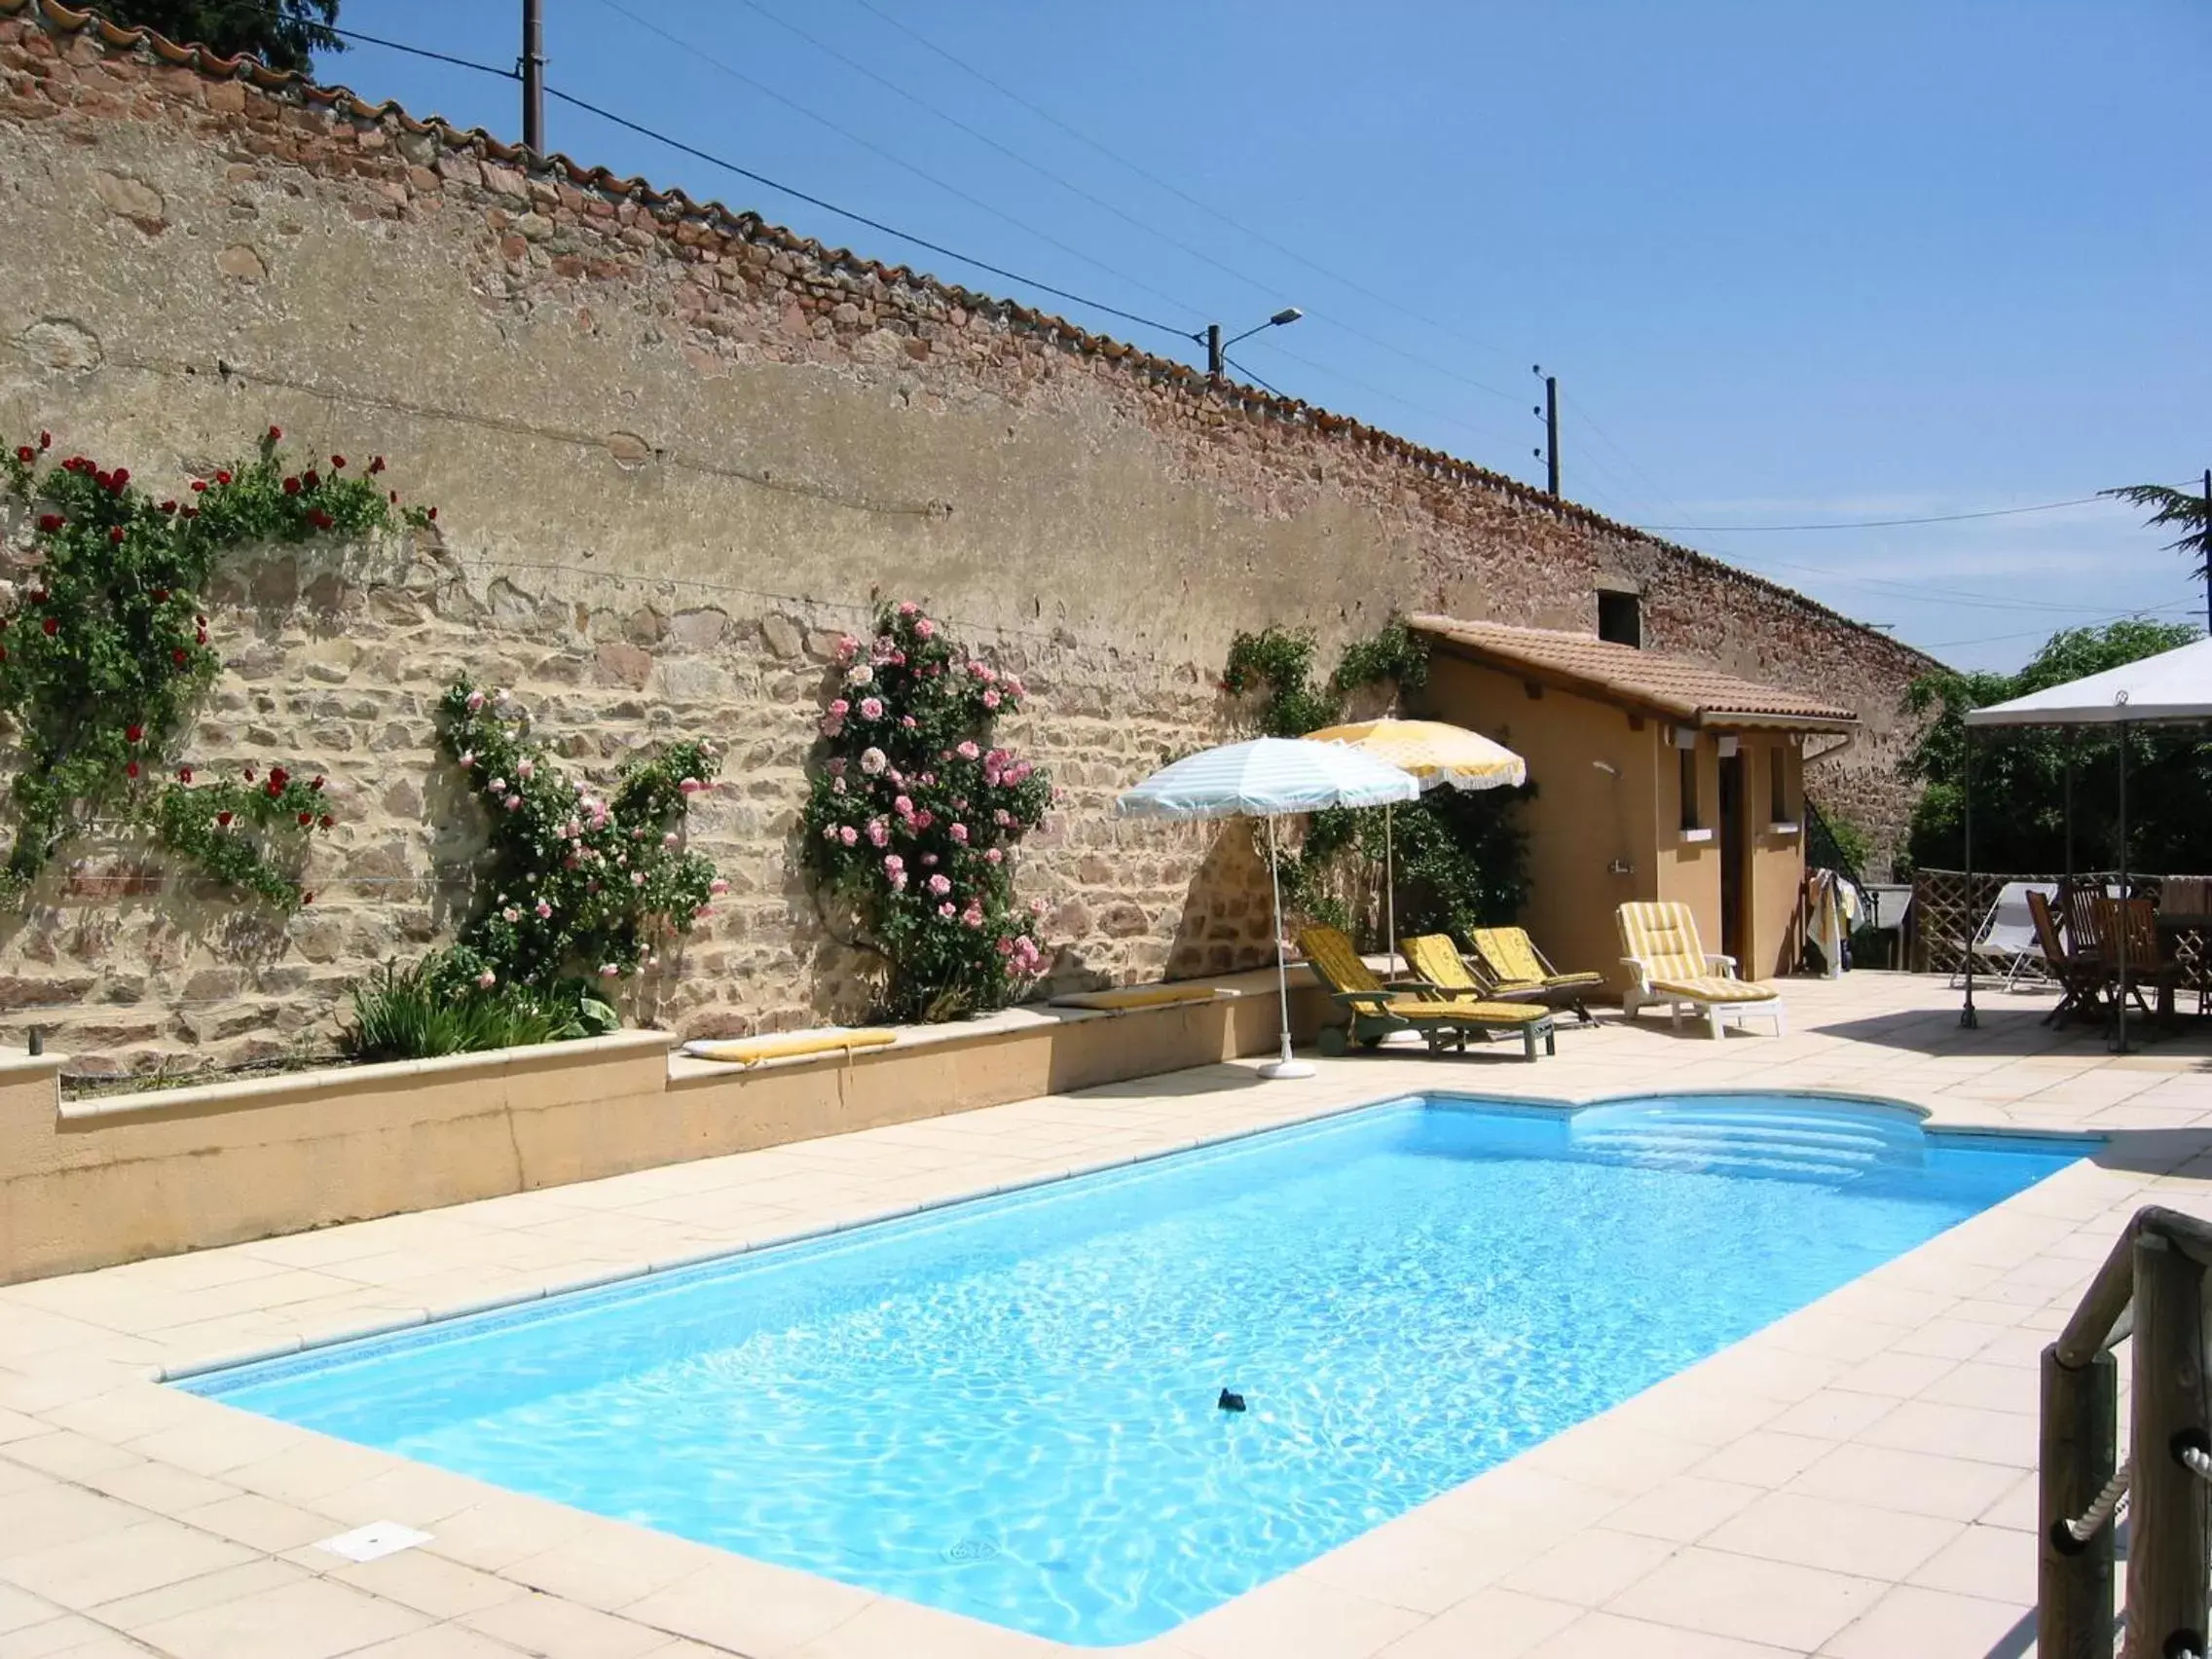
(1007, 1408)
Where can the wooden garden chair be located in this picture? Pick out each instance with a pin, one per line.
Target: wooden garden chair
(2080, 975)
(2079, 902)
(2147, 961)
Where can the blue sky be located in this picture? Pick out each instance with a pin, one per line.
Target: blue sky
(1792, 264)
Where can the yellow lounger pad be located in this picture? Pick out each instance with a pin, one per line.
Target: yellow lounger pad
(1712, 989)
(1138, 996)
(1434, 1010)
(783, 1045)
(1505, 1014)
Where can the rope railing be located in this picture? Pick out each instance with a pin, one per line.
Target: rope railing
(2197, 1461)
(2107, 1505)
(2150, 1289)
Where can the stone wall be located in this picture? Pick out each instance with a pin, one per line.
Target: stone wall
(676, 449)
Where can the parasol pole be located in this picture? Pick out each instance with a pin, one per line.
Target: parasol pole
(1390, 891)
(1286, 1066)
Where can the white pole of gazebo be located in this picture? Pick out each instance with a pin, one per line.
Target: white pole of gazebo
(1967, 1017)
(2125, 911)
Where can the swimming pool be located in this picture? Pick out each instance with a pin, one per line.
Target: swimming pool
(1010, 1408)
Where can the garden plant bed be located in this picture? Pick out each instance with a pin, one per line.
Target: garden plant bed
(102, 1178)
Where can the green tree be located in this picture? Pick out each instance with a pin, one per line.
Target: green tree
(2019, 792)
(2171, 506)
(284, 34)
(1460, 857)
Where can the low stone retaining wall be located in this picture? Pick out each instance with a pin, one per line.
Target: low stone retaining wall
(91, 1183)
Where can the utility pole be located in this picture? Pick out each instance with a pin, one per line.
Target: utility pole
(534, 76)
(1217, 349)
(1549, 454)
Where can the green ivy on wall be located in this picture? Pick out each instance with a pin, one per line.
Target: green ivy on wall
(1461, 856)
(104, 655)
(1279, 662)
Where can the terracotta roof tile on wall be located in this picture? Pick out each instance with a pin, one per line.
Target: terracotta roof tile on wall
(1686, 691)
(672, 209)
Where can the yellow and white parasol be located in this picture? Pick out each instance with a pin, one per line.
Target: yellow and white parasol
(1437, 754)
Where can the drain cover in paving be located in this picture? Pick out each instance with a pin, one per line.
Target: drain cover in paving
(373, 1542)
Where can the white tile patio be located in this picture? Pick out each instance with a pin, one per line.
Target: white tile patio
(1853, 1481)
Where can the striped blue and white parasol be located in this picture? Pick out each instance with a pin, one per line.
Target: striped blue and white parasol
(1266, 778)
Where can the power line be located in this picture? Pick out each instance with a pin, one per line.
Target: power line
(1096, 201)
(1101, 307)
(424, 51)
(792, 190)
(1012, 154)
(886, 229)
(2142, 615)
(1919, 590)
(1211, 212)
(1375, 390)
(1606, 438)
(1243, 370)
(896, 160)
(828, 206)
(1868, 524)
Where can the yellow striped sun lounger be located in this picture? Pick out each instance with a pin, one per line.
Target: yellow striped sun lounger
(1377, 1010)
(1670, 965)
(1518, 969)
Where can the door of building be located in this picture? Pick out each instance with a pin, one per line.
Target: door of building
(1735, 934)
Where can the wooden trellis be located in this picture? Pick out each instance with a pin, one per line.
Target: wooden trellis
(1945, 915)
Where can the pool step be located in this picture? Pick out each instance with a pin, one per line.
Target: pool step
(1776, 1142)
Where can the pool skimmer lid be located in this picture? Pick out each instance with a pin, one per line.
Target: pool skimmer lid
(375, 1541)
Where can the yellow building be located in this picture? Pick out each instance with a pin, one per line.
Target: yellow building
(1656, 778)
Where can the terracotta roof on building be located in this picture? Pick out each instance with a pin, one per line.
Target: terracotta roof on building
(1674, 688)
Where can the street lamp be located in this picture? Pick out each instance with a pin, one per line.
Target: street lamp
(1217, 349)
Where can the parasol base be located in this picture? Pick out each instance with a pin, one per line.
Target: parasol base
(1283, 1065)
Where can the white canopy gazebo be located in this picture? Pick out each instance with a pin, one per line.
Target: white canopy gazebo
(2172, 689)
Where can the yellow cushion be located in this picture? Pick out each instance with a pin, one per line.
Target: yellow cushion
(1661, 935)
(1418, 1008)
(1332, 956)
(1438, 1010)
(1508, 953)
(783, 1045)
(1436, 959)
(1505, 1014)
(1711, 987)
(1138, 996)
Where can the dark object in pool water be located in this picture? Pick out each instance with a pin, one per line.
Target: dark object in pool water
(1230, 1402)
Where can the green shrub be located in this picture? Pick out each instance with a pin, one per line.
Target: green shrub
(2020, 773)
(436, 1006)
(1460, 857)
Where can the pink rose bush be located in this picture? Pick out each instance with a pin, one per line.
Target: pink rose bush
(915, 814)
(582, 883)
